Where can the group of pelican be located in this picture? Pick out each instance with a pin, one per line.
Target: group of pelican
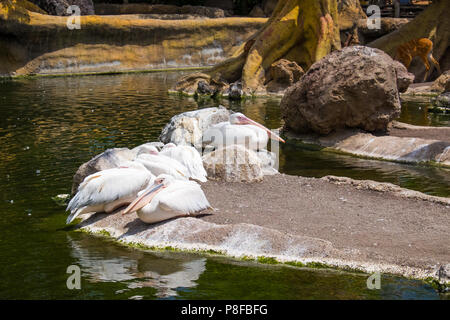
(161, 184)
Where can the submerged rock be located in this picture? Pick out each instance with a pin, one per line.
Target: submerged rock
(357, 87)
(442, 100)
(187, 128)
(233, 163)
(61, 199)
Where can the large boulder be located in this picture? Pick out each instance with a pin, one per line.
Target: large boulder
(283, 74)
(233, 163)
(111, 158)
(357, 87)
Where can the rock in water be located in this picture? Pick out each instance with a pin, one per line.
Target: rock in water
(204, 88)
(111, 158)
(442, 84)
(442, 100)
(357, 87)
(187, 128)
(235, 91)
(233, 163)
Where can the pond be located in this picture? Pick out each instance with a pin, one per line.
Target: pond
(49, 126)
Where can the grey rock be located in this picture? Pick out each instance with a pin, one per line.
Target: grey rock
(235, 91)
(442, 100)
(233, 163)
(357, 87)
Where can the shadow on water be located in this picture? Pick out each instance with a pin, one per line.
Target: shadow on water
(49, 126)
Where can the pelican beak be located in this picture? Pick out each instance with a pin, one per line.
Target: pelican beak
(144, 199)
(272, 135)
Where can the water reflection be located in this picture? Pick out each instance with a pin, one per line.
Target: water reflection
(166, 273)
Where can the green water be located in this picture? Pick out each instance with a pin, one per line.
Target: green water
(49, 126)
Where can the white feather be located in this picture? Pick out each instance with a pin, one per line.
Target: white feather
(225, 134)
(107, 187)
(190, 158)
(177, 199)
(161, 164)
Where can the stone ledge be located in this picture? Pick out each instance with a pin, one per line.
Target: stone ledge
(402, 144)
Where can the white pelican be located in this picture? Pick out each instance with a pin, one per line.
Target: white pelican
(239, 130)
(158, 163)
(107, 190)
(187, 156)
(168, 198)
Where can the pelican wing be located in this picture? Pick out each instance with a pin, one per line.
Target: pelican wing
(183, 197)
(190, 158)
(109, 185)
(161, 164)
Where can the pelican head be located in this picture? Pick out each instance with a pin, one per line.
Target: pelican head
(162, 181)
(240, 119)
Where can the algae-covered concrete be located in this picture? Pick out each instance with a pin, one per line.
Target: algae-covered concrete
(365, 225)
(35, 43)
